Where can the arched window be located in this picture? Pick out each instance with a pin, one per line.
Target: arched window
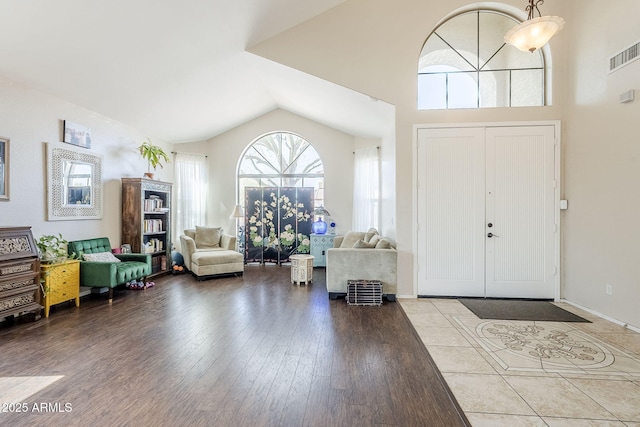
(280, 183)
(282, 159)
(465, 63)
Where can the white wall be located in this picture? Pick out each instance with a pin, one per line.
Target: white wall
(602, 162)
(31, 118)
(224, 151)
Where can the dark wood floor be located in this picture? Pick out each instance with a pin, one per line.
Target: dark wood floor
(237, 351)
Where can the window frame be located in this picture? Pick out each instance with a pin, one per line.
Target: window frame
(545, 92)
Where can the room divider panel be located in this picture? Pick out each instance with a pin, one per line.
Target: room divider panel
(277, 223)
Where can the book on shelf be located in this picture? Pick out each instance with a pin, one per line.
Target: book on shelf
(153, 226)
(153, 245)
(153, 205)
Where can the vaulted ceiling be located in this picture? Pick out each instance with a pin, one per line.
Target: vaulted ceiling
(177, 70)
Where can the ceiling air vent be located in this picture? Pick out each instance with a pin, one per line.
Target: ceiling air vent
(625, 57)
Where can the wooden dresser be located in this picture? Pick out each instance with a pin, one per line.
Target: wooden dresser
(19, 273)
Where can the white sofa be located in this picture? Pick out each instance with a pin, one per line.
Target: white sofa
(362, 256)
(208, 252)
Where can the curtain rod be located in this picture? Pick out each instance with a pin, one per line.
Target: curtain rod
(377, 148)
(192, 154)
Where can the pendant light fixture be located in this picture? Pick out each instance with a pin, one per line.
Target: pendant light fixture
(532, 34)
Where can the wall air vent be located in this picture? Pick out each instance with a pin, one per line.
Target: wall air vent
(625, 57)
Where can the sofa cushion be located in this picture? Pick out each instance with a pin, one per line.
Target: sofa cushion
(131, 270)
(190, 232)
(100, 257)
(89, 246)
(369, 234)
(361, 244)
(375, 239)
(208, 237)
(383, 244)
(351, 238)
(216, 257)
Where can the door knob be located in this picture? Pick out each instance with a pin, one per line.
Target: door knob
(490, 235)
(490, 225)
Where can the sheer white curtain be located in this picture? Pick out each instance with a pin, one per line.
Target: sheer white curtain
(366, 189)
(190, 192)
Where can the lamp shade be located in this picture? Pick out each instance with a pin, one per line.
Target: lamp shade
(532, 34)
(238, 212)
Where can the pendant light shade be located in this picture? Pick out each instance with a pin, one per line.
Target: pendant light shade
(534, 33)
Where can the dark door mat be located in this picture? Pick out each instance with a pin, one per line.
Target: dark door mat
(512, 309)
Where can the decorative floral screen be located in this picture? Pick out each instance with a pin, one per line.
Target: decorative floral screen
(278, 223)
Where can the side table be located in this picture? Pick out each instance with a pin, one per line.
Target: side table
(301, 269)
(61, 283)
(319, 245)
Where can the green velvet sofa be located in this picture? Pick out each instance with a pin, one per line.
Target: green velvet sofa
(108, 274)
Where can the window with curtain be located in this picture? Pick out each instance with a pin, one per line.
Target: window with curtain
(366, 189)
(190, 191)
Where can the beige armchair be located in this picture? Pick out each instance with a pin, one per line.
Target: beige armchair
(208, 252)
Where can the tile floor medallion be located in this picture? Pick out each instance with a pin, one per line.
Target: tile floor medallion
(547, 347)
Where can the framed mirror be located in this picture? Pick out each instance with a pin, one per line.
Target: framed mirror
(74, 180)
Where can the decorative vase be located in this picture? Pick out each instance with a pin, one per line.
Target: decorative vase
(319, 227)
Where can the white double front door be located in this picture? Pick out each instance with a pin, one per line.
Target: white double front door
(487, 211)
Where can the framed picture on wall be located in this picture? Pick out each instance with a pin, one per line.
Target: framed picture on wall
(4, 168)
(76, 134)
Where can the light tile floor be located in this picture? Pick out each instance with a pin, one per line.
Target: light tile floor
(522, 373)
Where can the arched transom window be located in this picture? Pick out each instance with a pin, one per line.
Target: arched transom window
(465, 63)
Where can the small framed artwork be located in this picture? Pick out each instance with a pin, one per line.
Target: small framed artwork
(4, 168)
(76, 134)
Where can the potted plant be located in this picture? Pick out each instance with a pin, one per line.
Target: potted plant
(53, 249)
(154, 155)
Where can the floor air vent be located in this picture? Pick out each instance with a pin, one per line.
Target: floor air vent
(625, 57)
(364, 292)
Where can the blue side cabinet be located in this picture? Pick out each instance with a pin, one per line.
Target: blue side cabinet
(319, 245)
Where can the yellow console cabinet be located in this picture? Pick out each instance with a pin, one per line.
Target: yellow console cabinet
(61, 283)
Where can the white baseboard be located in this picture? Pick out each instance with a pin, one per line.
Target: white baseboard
(602, 316)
